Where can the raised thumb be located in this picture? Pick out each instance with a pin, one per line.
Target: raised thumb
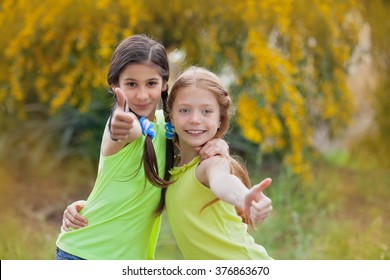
(263, 185)
(121, 100)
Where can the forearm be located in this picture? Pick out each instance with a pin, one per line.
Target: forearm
(228, 188)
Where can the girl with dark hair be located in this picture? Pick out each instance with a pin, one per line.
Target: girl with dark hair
(124, 206)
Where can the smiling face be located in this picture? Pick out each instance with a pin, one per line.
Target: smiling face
(195, 114)
(142, 84)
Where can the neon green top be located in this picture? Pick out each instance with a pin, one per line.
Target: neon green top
(215, 233)
(120, 209)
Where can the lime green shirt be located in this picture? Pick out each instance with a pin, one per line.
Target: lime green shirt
(120, 209)
(215, 233)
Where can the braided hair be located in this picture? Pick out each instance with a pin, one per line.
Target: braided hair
(142, 49)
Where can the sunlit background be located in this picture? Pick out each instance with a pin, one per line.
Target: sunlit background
(309, 78)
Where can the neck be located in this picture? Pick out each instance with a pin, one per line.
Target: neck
(186, 155)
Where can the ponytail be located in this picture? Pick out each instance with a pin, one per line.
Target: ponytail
(170, 150)
(149, 157)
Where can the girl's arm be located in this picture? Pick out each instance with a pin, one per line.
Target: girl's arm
(122, 127)
(215, 174)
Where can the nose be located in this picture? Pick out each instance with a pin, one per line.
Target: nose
(195, 117)
(142, 93)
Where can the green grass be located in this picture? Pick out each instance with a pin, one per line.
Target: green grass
(341, 214)
(20, 241)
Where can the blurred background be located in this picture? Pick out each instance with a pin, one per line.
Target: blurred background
(309, 78)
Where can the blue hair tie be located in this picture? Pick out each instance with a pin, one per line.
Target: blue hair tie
(147, 127)
(169, 130)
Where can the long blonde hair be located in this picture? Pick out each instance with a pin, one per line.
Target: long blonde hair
(200, 77)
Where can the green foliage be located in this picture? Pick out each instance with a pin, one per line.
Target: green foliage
(47, 143)
(287, 66)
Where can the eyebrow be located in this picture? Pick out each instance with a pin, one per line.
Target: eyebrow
(131, 79)
(201, 105)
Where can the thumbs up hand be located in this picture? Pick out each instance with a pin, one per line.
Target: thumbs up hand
(122, 103)
(124, 125)
(258, 206)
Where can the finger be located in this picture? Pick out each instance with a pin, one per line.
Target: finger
(205, 147)
(262, 216)
(123, 120)
(262, 205)
(74, 219)
(121, 124)
(262, 201)
(80, 217)
(261, 211)
(262, 185)
(217, 146)
(120, 131)
(258, 219)
(204, 152)
(121, 100)
(264, 212)
(259, 215)
(211, 151)
(69, 221)
(255, 193)
(64, 225)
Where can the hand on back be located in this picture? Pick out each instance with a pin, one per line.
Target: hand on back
(72, 217)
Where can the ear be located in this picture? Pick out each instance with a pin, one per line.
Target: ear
(113, 87)
(165, 87)
(171, 120)
(219, 124)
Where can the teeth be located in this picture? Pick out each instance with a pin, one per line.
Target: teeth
(195, 131)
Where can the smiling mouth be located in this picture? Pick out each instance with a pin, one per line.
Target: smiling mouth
(195, 132)
(142, 105)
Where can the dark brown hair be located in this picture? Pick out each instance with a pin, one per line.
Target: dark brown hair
(142, 49)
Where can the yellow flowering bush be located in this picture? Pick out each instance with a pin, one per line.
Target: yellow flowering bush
(56, 52)
(288, 58)
(295, 74)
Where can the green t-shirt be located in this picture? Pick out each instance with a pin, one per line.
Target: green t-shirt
(217, 232)
(120, 209)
